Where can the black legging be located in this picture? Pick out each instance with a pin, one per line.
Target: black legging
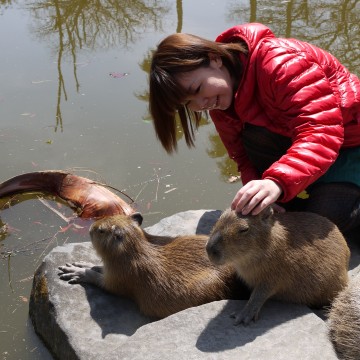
(338, 201)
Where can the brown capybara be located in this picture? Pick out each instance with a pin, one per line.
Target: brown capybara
(291, 256)
(163, 275)
(344, 321)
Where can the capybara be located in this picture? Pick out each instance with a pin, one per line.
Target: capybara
(299, 257)
(344, 321)
(163, 275)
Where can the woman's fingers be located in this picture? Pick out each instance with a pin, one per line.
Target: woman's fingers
(255, 196)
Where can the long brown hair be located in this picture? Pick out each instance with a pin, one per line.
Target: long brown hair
(179, 53)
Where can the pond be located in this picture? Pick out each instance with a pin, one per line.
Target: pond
(74, 96)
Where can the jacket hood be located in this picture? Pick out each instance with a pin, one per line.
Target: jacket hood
(251, 33)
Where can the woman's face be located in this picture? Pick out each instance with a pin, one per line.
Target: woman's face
(208, 87)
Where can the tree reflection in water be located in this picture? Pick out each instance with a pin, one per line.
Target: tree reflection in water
(93, 25)
(331, 25)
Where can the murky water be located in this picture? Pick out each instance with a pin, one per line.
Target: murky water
(60, 108)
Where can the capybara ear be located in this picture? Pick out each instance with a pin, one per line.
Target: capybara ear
(267, 212)
(137, 217)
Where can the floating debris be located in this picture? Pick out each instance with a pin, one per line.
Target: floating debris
(28, 114)
(168, 191)
(233, 179)
(40, 81)
(117, 75)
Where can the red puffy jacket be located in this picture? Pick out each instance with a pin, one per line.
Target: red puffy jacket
(297, 90)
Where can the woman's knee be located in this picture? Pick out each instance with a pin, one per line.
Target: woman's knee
(339, 202)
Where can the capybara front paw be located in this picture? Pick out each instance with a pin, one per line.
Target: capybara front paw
(244, 317)
(71, 273)
(82, 264)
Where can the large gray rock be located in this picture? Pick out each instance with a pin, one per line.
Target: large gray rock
(84, 322)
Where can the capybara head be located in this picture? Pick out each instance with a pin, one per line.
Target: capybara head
(113, 235)
(235, 236)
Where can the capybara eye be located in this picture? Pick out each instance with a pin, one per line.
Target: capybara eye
(118, 234)
(243, 229)
(101, 230)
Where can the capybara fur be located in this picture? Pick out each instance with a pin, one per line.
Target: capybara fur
(344, 321)
(298, 257)
(163, 275)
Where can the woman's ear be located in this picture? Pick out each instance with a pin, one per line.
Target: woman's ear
(215, 60)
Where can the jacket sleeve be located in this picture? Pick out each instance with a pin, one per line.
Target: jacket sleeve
(230, 135)
(296, 93)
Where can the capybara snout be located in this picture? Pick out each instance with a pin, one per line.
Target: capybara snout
(213, 248)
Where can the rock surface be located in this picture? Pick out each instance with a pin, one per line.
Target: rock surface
(84, 322)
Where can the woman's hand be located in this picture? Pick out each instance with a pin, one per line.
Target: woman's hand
(255, 196)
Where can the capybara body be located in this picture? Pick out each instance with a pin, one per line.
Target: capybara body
(163, 275)
(291, 256)
(344, 321)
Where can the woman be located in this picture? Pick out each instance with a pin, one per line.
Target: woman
(287, 112)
